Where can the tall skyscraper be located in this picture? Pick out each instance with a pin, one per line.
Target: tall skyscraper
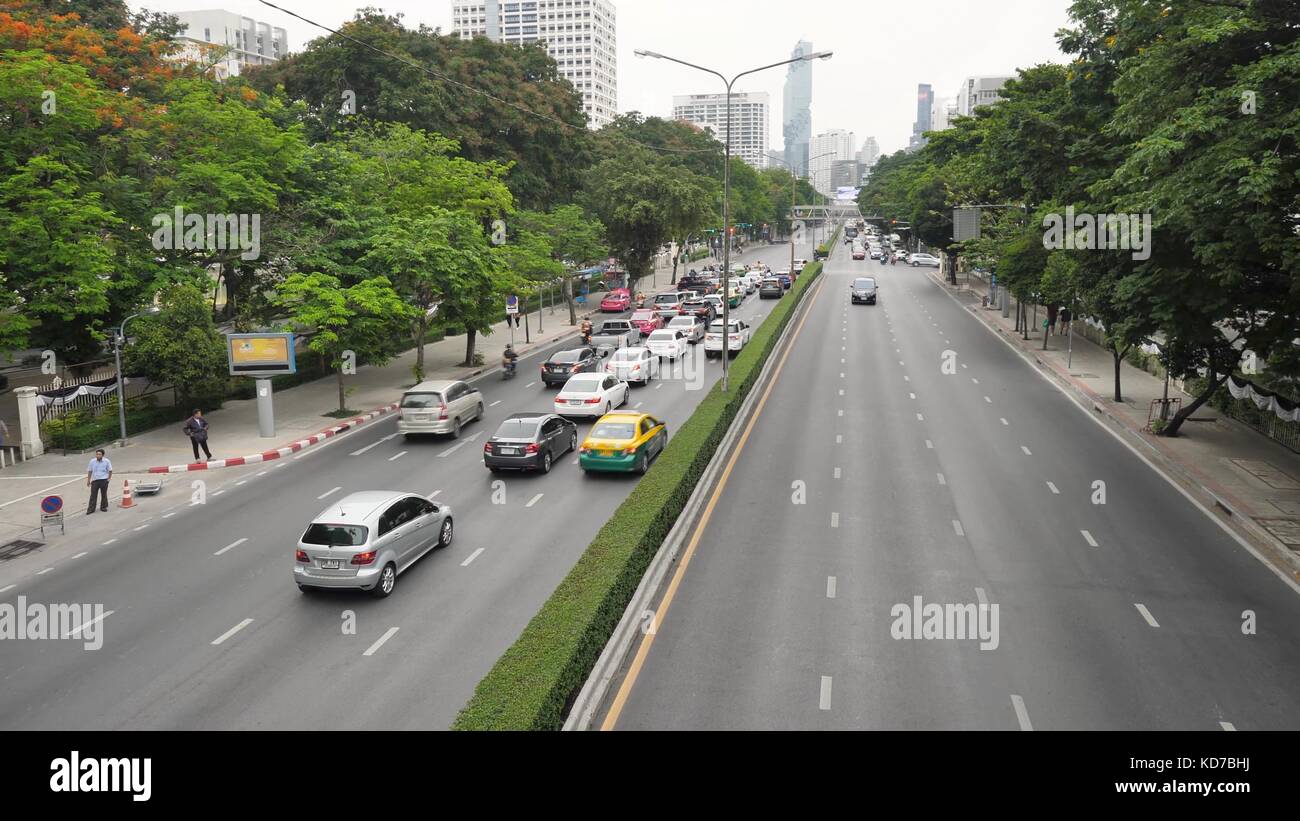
(924, 104)
(749, 120)
(579, 34)
(796, 112)
(251, 43)
(836, 144)
(869, 153)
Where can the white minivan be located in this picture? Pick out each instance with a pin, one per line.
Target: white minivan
(441, 406)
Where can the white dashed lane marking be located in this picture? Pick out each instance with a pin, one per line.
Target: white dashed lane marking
(232, 631)
(1146, 614)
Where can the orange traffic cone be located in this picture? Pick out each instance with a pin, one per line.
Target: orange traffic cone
(126, 494)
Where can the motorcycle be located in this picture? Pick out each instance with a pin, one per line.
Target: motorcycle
(508, 368)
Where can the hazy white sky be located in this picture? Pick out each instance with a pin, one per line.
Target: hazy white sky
(882, 50)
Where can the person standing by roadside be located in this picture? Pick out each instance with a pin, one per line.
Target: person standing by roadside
(196, 427)
(98, 472)
(1065, 320)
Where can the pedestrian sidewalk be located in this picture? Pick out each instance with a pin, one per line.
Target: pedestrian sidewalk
(1249, 481)
(299, 415)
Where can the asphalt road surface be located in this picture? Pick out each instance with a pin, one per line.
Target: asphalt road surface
(208, 631)
(963, 487)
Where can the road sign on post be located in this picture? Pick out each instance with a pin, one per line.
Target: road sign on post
(965, 224)
(51, 513)
(512, 305)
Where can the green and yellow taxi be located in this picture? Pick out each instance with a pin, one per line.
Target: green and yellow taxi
(735, 294)
(622, 442)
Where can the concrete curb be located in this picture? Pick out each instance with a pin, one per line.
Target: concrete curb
(620, 644)
(1281, 558)
(268, 455)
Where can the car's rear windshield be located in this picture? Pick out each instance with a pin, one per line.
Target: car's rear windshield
(517, 429)
(667, 298)
(421, 400)
(614, 430)
(717, 325)
(663, 336)
(336, 535)
(626, 355)
(584, 383)
(567, 356)
(681, 322)
(864, 283)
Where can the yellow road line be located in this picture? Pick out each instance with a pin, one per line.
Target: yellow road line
(611, 718)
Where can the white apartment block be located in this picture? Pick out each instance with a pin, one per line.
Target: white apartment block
(943, 113)
(823, 151)
(978, 91)
(580, 35)
(749, 121)
(250, 42)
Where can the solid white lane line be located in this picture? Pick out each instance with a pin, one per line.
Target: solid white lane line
(835, 520)
(956, 525)
(1026, 450)
(942, 480)
(494, 404)
(1227, 727)
(472, 557)
(830, 587)
(839, 438)
(328, 492)
(230, 546)
(74, 631)
(388, 634)
(1022, 715)
(43, 572)
(837, 473)
(232, 631)
(929, 445)
(1146, 614)
(535, 500)
(79, 555)
(109, 542)
(7, 588)
(398, 456)
(1087, 537)
(1052, 488)
(825, 701)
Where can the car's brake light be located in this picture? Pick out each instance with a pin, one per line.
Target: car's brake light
(442, 412)
(575, 368)
(364, 558)
(531, 448)
(301, 555)
(487, 447)
(595, 401)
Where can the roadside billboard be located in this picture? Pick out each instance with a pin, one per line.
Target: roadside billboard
(261, 354)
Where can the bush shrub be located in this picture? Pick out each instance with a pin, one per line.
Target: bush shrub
(78, 431)
(531, 685)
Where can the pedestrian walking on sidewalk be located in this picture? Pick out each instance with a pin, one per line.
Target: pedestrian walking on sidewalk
(98, 472)
(1051, 319)
(1065, 320)
(196, 427)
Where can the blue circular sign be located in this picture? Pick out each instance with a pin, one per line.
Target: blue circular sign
(52, 504)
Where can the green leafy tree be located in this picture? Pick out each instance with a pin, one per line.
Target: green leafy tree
(363, 323)
(180, 346)
(576, 240)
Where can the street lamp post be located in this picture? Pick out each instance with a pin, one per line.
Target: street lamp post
(726, 184)
(118, 340)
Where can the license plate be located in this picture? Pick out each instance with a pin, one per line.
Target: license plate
(419, 417)
(576, 402)
(607, 453)
(331, 564)
(509, 451)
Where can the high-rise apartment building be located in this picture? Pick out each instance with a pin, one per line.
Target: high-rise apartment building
(749, 120)
(580, 35)
(943, 113)
(796, 112)
(825, 149)
(249, 42)
(869, 153)
(978, 91)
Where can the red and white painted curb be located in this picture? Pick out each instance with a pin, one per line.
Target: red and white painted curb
(268, 455)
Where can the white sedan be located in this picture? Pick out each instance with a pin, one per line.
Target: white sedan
(634, 365)
(591, 394)
(669, 342)
(737, 338)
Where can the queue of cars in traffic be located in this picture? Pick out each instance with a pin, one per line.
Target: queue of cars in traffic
(366, 540)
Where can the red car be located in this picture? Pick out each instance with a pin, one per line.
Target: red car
(618, 301)
(647, 320)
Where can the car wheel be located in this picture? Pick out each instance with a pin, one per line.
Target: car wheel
(607, 408)
(306, 589)
(455, 428)
(387, 581)
(546, 462)
(641, 463)
(573, 442)
(479, 415)
(444, 535)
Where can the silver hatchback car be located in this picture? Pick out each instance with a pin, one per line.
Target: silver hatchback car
(364, 540)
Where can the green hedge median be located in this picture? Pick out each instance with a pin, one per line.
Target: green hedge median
(532, 684)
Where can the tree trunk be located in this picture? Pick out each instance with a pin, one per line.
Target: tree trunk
(1211, 385)
(1119, 361)
(342, 404)
(568, 298)
(469, 348)
(421, 330)
(1046, 329)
